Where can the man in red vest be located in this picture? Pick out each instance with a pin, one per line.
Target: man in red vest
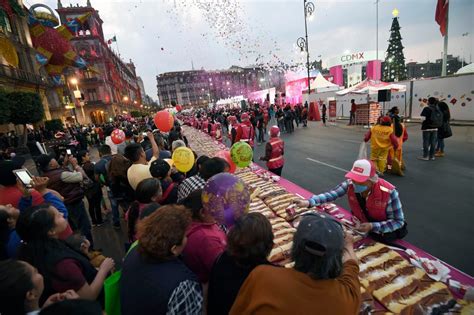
(245, 131)
(233, 129)
(374, 202)
(274, 151)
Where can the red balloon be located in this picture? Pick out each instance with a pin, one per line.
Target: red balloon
(224, 154)
(164, 120)
(179, 108)
(117, 136)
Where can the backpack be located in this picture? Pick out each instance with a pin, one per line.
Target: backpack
(436, 117)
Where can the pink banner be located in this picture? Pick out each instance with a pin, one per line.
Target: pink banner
(374, 70)
(337, 74)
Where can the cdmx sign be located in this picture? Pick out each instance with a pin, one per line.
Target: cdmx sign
(353, 57)
(356, 57)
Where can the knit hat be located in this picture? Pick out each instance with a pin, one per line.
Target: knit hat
(385, 119)
(274, 131)
(159, 169)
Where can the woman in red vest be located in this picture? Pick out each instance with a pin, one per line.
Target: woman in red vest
(274, 151)
(374, 202)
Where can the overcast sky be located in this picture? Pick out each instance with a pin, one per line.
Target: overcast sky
(170, 35)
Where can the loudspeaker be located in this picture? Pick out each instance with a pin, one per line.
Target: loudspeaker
(384, 96)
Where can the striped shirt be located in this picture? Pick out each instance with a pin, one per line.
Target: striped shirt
(395, 217)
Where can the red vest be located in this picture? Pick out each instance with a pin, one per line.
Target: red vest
(205, 124)
(213, 130)
(276, 158)
(376, 203)
(247, 133)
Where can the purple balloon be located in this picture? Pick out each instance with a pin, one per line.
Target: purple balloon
(226, 198)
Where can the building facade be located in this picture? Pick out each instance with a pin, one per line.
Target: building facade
(18, 68)
(433, 69)
(109, 86)
(201, 87)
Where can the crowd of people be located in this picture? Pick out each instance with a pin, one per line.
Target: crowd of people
(184, 254)
(191, 247)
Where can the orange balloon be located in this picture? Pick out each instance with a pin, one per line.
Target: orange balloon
(164, 120)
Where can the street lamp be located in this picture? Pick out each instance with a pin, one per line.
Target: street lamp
(77, 97)
(302, 42)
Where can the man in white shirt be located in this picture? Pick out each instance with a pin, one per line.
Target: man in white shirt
(140, 168)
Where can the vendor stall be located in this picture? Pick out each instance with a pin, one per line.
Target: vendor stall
(402, 279)
(368, 112)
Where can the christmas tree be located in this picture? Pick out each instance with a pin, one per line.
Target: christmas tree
(394, 68)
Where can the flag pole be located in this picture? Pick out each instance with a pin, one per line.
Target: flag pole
(116, 44)
(445, 52)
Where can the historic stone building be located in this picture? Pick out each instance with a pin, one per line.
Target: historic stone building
(109, 86)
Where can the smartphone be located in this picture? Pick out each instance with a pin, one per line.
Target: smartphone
(68, 152)
(24, 176)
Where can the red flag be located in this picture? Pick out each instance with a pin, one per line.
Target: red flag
(440, 15)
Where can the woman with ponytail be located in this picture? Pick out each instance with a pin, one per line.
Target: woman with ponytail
(395, 157)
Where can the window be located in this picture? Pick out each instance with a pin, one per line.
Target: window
(5, 25)
(91, 95)
(88, 74)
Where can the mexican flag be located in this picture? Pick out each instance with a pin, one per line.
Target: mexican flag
(112, 40)
(440, 15)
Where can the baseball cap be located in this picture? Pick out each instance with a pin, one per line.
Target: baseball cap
(159, 168)
(361, 171)
(320, 235)
(244, 117)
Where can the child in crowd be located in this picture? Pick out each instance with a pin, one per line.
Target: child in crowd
(81, 244)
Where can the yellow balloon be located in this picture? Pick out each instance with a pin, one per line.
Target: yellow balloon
(183, 159)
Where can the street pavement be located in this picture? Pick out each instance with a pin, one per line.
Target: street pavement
(436, 195)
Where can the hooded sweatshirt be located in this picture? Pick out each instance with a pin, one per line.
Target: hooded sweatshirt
(206, 241)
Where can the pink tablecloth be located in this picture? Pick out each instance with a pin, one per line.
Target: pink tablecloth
(455, 273)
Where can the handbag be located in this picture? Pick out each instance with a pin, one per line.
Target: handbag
(362, 151)
(446, 131)
(112, 289)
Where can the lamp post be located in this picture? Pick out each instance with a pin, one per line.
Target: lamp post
(125, 100)
(77, 97)
(303, 42)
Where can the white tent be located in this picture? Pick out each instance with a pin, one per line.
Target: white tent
(466, 69)
(371, 87)
(320, 85)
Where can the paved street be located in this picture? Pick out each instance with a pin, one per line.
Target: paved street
(436, 195)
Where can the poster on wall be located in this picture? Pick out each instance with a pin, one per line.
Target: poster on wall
(332, 109)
